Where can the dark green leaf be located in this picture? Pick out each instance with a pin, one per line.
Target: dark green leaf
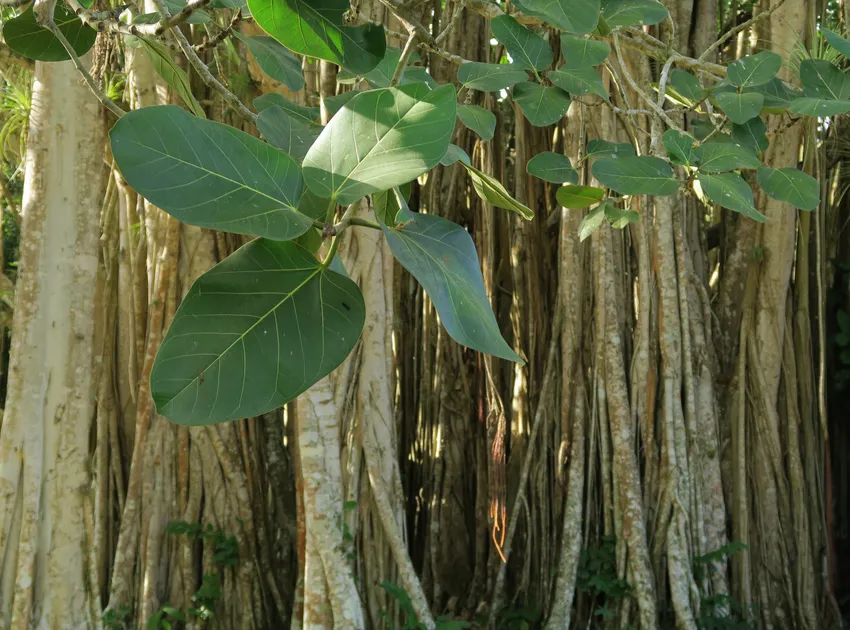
(307, 115)
(680, 147)
(739, 108)
(525, 48)
(391, 207)
(643, 175)
(172, 74)
(275, 60)
(836, 41)
(754, 69)
(481, 121)
(581, 52)
(591, 221)
(335, 103)
(315, 28)
(701, 128)
(381, 76)
(313, 206)
(574, 16)
(730, 191)
(821, 79)
(254, 332)
(442, 257)
(618, 217)
(686, 85)
(490, 77)
(552, 167)
(778, 95)
(791, 186)
(209, 174)
(381, 139)
(633, 12)
(820, 107)
(541, 105)
(578, 81)
(454, 154)
(492, 191)
(719, 157)
(25, 36)
(752, 134)
(579, 196)
(604, 148)
(288, 134)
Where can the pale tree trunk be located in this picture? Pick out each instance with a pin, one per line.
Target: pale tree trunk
(46, 532)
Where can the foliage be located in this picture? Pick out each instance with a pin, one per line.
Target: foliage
(721, 611)
(597, 576)
(411, 621)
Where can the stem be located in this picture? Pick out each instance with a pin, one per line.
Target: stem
(331, 252)
(409, 47)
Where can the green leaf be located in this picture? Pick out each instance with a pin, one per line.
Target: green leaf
(335, 103)
(381, 76)
(644, 175)
(618, 217)
(719, 157)
(574, 16)
(579, 196)
(172, 74)
(542, 106)
(490, 77)
(701, 128)
(313, 206)
(391, 207)
(525, 48)
(820, 107)
(739, 108)
(686, 85)
(454, 154)
(680, 147)
(778, 95)
(730, 191)
(315, 28)
(597, 147)
(790, 185)
(442, 257)
(552, 167)
(581, 52)
(821, 79)
(754, 69)
(25, 36)
(591, 222)
(492, 191)
(633, 12)
(381, 139)
(275, 60)
(578, 81)
(255, 331)
(307, 115)
(209, 174)
(481, 121)
(288, 134)
(752, 134)
(836, 41)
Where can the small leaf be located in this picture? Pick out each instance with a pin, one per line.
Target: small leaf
(643, 175)
(578, 81)
(25, 36)
(492, 191)
(680, 147)
(604, 148)
(730, 191)
(754, 69)
(172, 74)
(820, 107)
(591, 222)
(454, 154)
(633, 12)
(739, 108)
(391, 207)
(573, 16)
(275, 60)
(686, 85)
(791, 186)
(752, 134)
(836, 41)
(481, 121)
(527, 50)
(542, 106)
(307, 115)
(581, 52)
(490, 77)
(778, 95)
(578, 197)
(618, 217)
(290, 135)
(719, 157)
(441, 256)
(552, 167)
(821, 79)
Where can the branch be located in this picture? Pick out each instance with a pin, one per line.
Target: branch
(731, 33)
(220, 37)
(409, 47)
(108, 20)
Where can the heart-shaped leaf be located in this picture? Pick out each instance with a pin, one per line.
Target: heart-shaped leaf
(172, 74)
(525, 48)
(739, 108)
(680, 147)
(290, 135)
(574, 16)
(644, 175)
(719, 157)
(490, 77)
(552, 167)
(820, 107)
(821, 79)
(604, 148)
(209, 174)
(275, 60)
(754, 69)
(730, 191)
(542, 106)
(302, 113)
(581, 52)
(253, 332)
(481, 121)
(492, 191)
(633, 12)
(579, 196)
(381, 139)
(791, 186)
(25, 36)
(578, 81)
(752, 134)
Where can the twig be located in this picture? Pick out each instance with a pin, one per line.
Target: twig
(662, 83)
(108, 21)
(734, 31)
(452, 21)
(409, 47)
(220, 37)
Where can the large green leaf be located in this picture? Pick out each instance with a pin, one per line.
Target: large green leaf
(644, 175)
(739, 108)
(302, 113)
(685, 85)
(541, 105)
(579, 196)
(316, 28)
(25, 36)
(490, 77)
(172, 74)
(821, 79)
(209, 174)
(754, 69)
(334, 103)
(381, 139)
(574, 16)
(525, 48)
(820, 107)
(581, 52)
(633, 12)
(730, 191)
(719, 157)
(752, 134)
(481, 121)
(275, 60)
(778, 95)
(290, 135)
(578, 81)
(491, 190)
(441, 256)
(552, 167)
(790, 185)
(680, 147)
(254, 332)
(604, 148)
(836, 41)
(381, 75)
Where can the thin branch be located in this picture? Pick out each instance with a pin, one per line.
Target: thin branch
(220, 37)
(108, 20)
(452, 22)
(734, 31)
(406, 53)
(662, 83)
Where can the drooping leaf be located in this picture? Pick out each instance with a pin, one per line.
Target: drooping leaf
(315, 28)
(591, 222)
(581, 52)
(302, 113)
(754, 69)
(381, 139)
(820, 107)
(275, 60)
(492, 191)
(209, 174)
(25, 36)
(172, 74)
(821, 79)
(619, 217)
(739, 108)
(579, 196)
(391, 207)
(836, 41)
(527, 50)
(442, 257)
(686, 85)
(680, 147)
(481, 121)
(603, 148)
(633, 12)
(541, 105)
(552, 167)
(454, 154)
(490, 77)
(579, 81)
(255, 331)
(730, 191)
(644, 175)
(791, 186)
(719, 157)
(752, 134)
(290, 135)
(573, 16)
